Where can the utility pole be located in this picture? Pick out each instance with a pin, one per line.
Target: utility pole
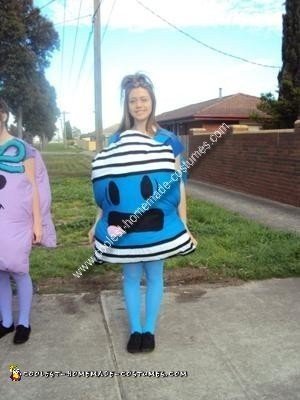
(97, 76)
(64, 128)
(61, 128)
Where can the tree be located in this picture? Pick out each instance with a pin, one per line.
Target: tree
(76, 132)
(289, 76)
(40, 117)
(27, 40)
(68, 130)
(286, 109)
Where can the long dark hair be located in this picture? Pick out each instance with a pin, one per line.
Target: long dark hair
(128, 83)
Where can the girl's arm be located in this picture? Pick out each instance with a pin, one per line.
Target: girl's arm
(182, 205)
(29, 165)
(92, 230)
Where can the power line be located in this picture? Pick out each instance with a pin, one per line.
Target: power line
(46, 5)
(108, 20)
(75, 40)
(74, 19)
(95, 13)
(202, 43)
(87, 46)
(88, 42)
(85, 53)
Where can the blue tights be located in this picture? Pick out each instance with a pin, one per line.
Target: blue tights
(24, 288)
(132, 275)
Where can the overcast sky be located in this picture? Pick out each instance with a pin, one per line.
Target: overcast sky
(183, 71)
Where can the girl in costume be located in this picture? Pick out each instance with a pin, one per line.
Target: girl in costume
(142, 206)
(22, 173)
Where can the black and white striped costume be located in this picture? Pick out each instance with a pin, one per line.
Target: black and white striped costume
(135, 184)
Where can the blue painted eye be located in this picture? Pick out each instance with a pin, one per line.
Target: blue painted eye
(146, 187)
(2, 181)
(114, 193)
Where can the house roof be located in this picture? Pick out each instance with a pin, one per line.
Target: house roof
(107, 132)
(234, 106)
(111, 129)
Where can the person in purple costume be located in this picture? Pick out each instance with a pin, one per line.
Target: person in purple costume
(20, 226)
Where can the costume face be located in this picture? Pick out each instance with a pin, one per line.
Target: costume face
(123, 197)
(139, 104)
(143, 186)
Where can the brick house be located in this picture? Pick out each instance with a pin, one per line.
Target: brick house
(234, 109)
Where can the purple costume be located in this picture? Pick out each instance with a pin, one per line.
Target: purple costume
(16, 200)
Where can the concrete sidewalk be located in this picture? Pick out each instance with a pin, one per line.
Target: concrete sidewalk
(270, 213)
(236, 343)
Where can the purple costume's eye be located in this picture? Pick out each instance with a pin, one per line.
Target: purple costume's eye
(2, 181)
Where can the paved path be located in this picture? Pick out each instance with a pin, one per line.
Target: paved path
(271, 213)
(236, 343)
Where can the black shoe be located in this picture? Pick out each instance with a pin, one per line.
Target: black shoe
(22, 334)
(4, 331)
(134, 343)
(148, 342)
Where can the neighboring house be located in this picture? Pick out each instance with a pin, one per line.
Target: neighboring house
(88, 140)
(107, 132)
(88, 136)
(209, 115)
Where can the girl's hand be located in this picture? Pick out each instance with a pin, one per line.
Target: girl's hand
(37, 233)
(193, 239)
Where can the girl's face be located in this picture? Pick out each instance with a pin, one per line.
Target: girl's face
(139, 104)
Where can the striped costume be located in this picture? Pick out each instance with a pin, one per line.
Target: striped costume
(136, 185)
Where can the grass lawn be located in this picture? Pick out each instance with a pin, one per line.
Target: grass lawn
(228, 244)
(60, 147)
